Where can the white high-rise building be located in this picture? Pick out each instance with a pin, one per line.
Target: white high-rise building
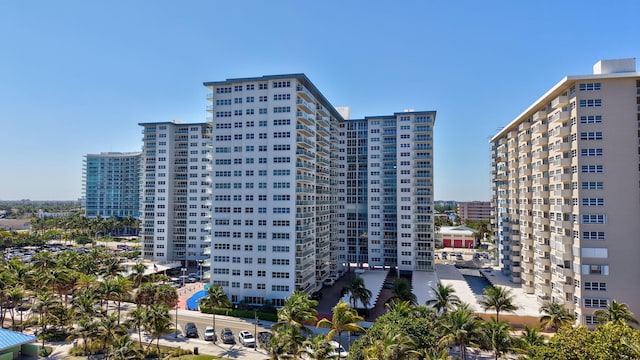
(282, 208)
(176, 192)
(566, 192)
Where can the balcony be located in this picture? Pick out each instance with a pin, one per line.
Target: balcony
(560, 101)
(543, 275)
(560, 116)
(540, 154)
(564, 162)
(565, 193)
(539, 115)
(561, 131)
(562, 178)
(539, 128)
(540, 141)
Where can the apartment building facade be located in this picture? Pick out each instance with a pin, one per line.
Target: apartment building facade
(475, 210)
(176, 192)
(111, 185)
(566, 190)
(293, 185)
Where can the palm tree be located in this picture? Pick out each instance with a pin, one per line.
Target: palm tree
(615, 312)
(85, 330)
(358, 292)
(298, 310)
(393, 347)
(157, 323)
(317, 348)
(445, 299)
(215, 298)
(137, 274)
(402, 291)
(45, 302)
(344, 318)
(460, 327)
(497, 335)
(109, 329)
(555, 316)
(125, 349)
(498, 298)
(136, 321)
(14, 298)
(528, 338)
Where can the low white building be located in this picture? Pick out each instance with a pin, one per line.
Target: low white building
(456, 237)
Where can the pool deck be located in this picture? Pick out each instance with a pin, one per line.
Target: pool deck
(450, 275)
(184, 293)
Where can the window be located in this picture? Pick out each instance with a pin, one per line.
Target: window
(596, 303)
(592, 168)
(592, 185)
(589, 87)
(598, 253)
(591, 152)
(595, 269)
(593, 202)
(591, 135)
(593, 235)
(594, 218)
(590, 103)
(591, 119)
(595, 286)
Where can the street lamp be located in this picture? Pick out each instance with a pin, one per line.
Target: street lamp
(176, 320)
(255, 331)
(184, 275)
(201, 273)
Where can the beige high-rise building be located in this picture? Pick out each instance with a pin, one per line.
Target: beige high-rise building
(475, 210)
(566, 192)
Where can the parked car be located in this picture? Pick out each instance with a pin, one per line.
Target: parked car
(337, 352)
(227, 336)
(328, 282)
(485, 256)
(459, 257)
(190, 330)
(247, 339)
(263, 338)
(209, 334)
(316, 295)
(195, 276)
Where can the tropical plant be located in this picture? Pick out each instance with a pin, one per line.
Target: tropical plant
(445, 298)
(615, 312)
(393, 347)
(460, 327)
(298, 310)
(157, 323)
(555, 316)
(497, 336)
(499, 299)
(402, 291)
(317, 348)
(529, 337)
(344, 318)
(358, 292)
(215, 298)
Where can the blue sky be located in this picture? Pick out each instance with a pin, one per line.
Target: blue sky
(76, 77)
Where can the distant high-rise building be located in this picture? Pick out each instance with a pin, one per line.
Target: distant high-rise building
(475, 210)
(299, 192)
(176, 196)
(112, 184)
(566, 195)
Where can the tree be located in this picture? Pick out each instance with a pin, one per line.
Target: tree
(125, 349)
(555, 316)
(358, 292)
(460, 327)
(498, 298)
(393, 347)
(402, 291)
(298, 310)
(615, 312)
(529, 338)
(344, 318)
(445, 299)
(136, 321)
(137, 274)
(109, 330)
(498, 339)
(318, 348)
(85, 330)
(157, 323)
(215, 298)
